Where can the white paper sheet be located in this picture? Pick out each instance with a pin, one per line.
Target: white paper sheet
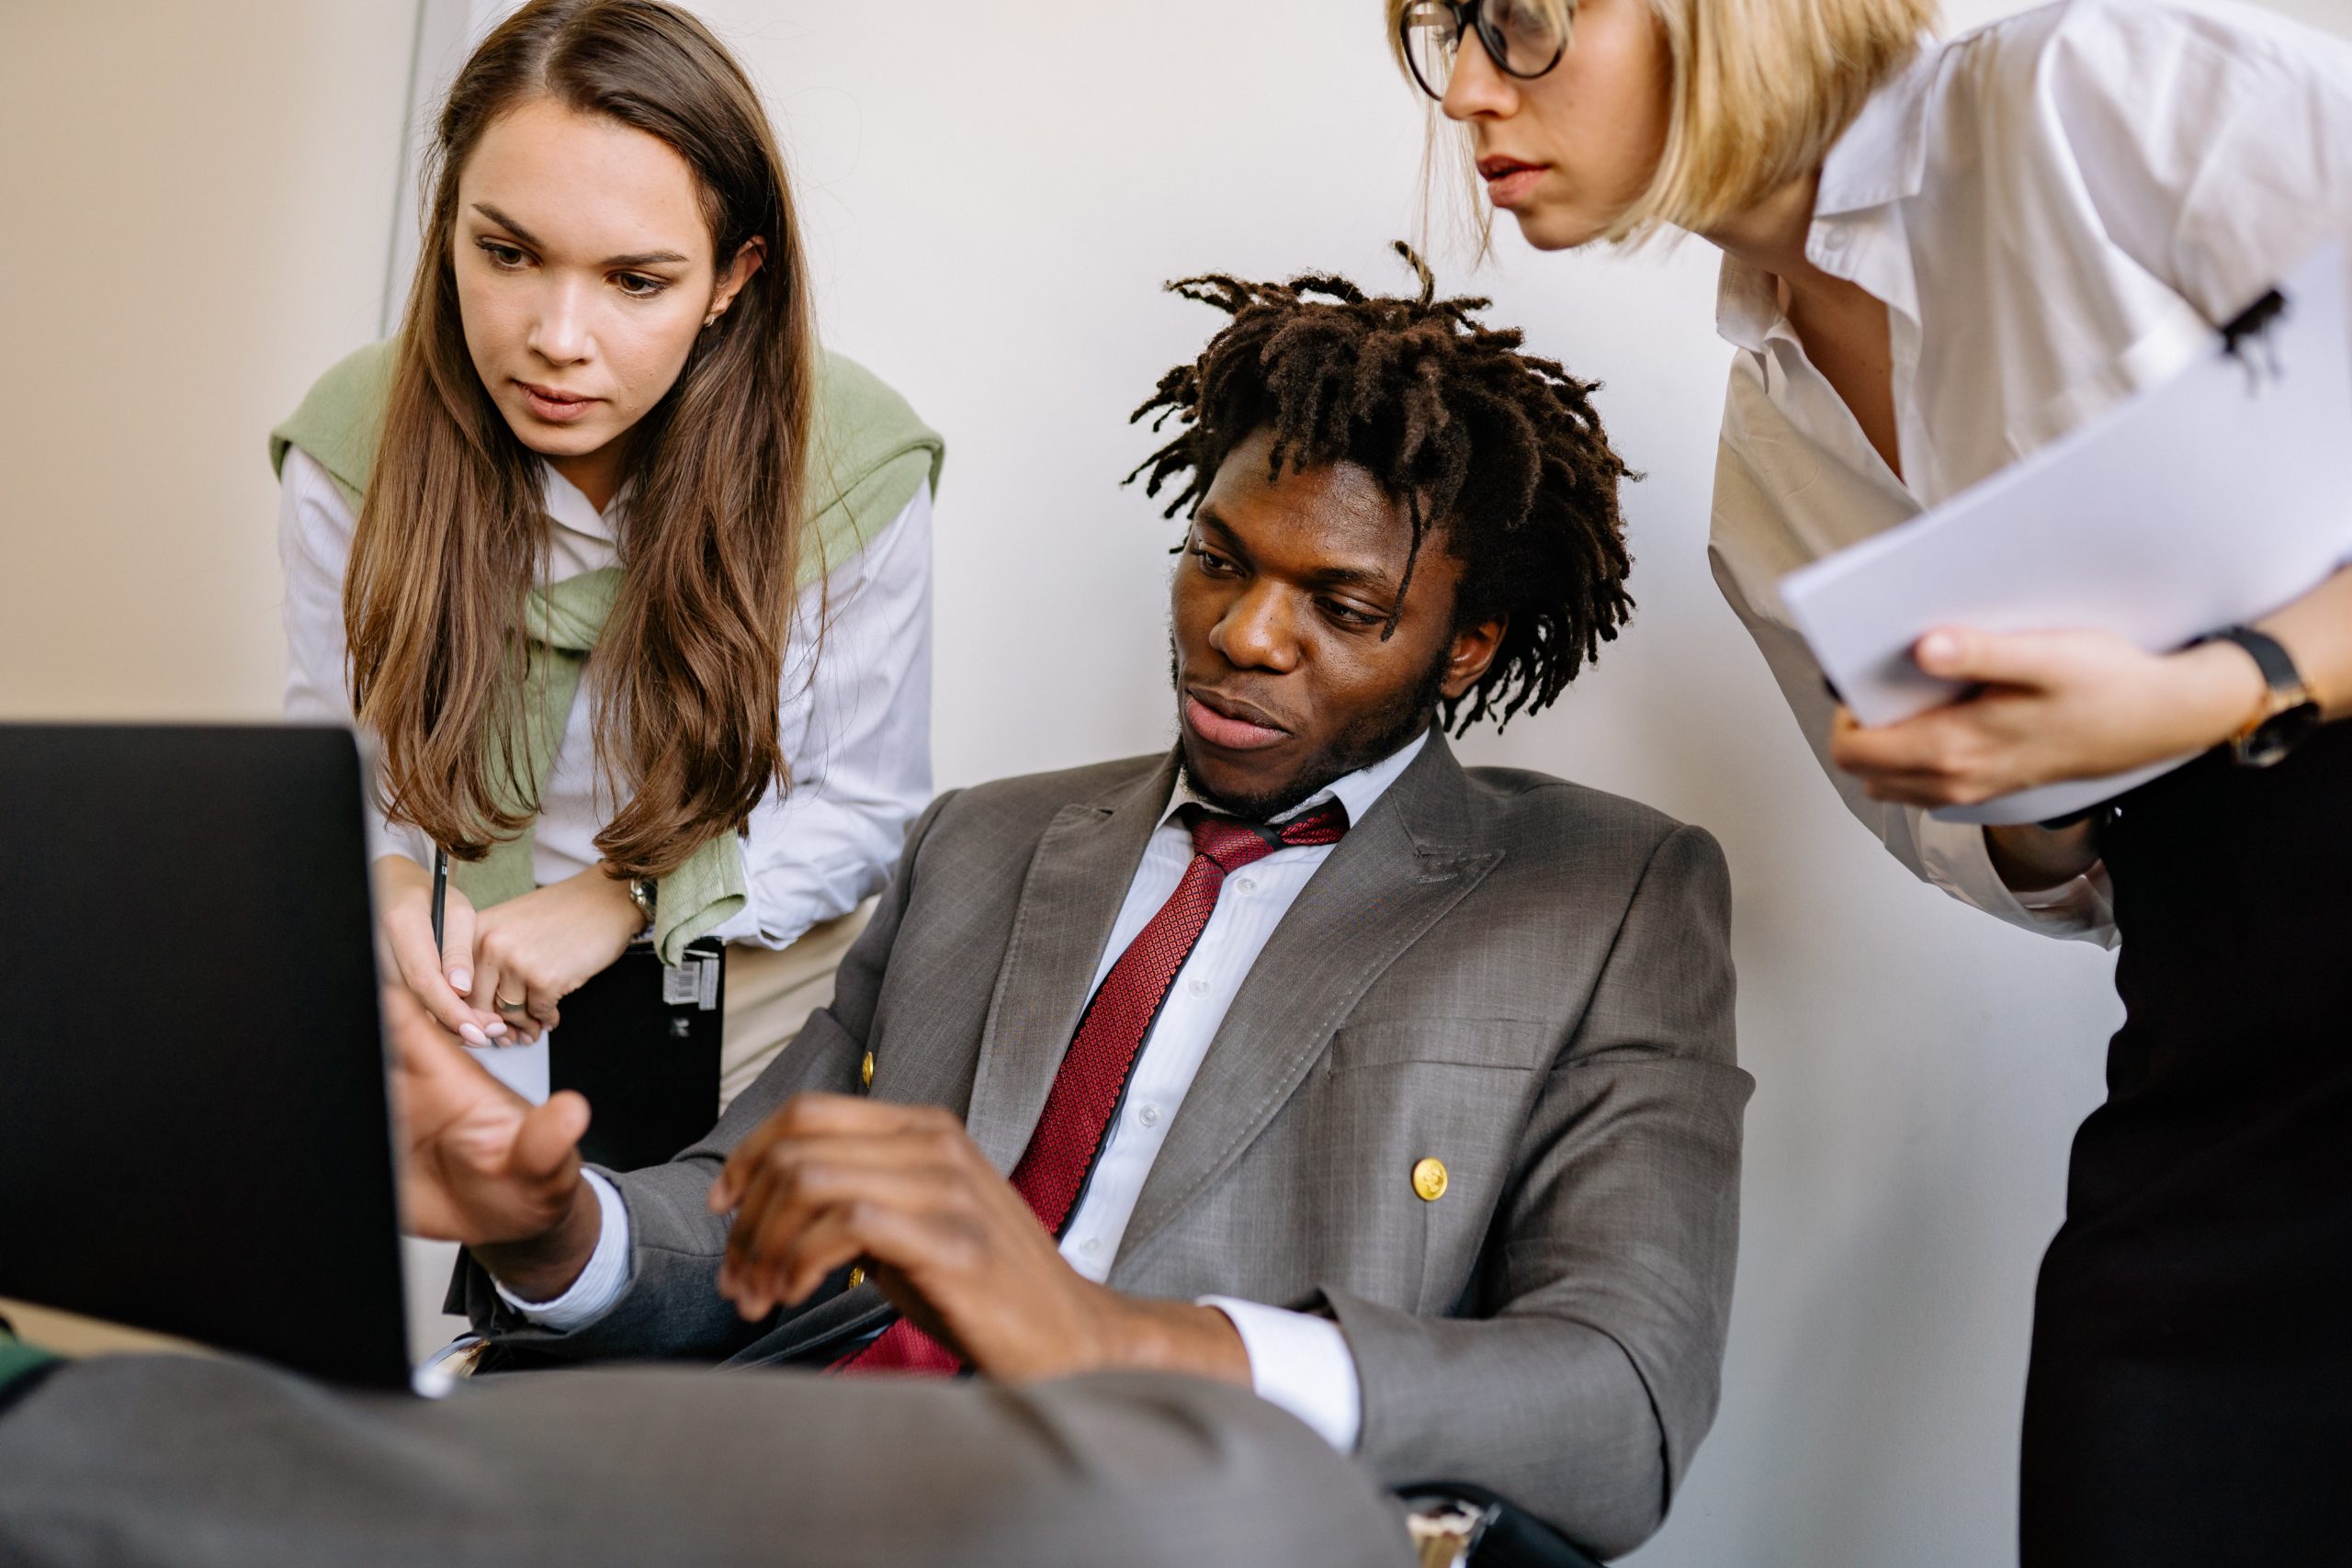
(2208, 501)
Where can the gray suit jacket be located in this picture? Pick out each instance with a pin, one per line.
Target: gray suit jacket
(1524, 979)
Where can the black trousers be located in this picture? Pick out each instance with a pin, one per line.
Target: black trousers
(2189, 1399)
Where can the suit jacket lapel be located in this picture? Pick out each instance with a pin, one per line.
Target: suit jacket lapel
(1078, 879)
(1390, 880)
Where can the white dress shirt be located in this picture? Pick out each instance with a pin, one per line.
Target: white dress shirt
(1296, 1361)
(2057, 210)
(855, 729)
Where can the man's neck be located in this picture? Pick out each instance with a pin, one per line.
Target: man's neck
(1365, 783)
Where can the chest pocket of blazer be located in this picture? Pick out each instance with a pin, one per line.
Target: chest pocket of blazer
(1511, 1045)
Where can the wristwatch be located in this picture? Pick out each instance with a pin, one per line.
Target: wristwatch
(642, 893)
(2289, 712)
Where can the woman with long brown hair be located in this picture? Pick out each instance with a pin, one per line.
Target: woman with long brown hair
(569, 546)
(1938, 258)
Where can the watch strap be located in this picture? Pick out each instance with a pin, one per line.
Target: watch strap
(2288, 711)
(2276, 665)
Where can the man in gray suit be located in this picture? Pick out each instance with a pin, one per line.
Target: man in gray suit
(1299, 1057)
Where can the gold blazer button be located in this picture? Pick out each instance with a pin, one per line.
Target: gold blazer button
(1428, 1179)
(857, 1276)
(865, 1071)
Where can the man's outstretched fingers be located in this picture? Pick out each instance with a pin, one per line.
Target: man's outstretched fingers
(549, 1142)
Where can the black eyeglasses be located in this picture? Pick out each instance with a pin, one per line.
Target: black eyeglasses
(1523, 37)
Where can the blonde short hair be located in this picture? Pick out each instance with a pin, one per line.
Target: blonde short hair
(1761, 90)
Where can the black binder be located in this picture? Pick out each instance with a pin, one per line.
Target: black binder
(641, 1040)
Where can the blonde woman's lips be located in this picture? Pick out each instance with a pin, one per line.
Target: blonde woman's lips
(554, 406)
(1507, 185)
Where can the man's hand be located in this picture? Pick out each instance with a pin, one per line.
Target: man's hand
(481, 1165)
(2052, 706)
(832, 1179)
(531, 952)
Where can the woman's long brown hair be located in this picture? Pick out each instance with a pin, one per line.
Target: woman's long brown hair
(451, 531)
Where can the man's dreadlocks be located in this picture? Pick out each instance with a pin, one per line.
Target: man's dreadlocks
(1500, 450)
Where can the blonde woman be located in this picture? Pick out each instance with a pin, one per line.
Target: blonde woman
(629, 579)
(1938, 257)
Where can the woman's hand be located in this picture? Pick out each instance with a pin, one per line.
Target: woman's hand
(530, 953)
(439, 977)
(2052, 706)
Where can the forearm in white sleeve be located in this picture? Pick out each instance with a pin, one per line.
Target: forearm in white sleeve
(601, 1282)
(1949, 855)
(856, 733)
(1301, 1363)
(314, 529)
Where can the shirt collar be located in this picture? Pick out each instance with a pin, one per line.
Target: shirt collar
(1882, 156)
(1355, 791)
(1881, 159)
(1747, 305)
(569, 506)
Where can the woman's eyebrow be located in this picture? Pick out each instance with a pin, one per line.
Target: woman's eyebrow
(646, 258)
(496, 216)
(634, 259)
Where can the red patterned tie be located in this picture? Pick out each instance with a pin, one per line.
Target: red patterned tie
(1093, 1074)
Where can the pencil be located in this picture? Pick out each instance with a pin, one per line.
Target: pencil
(440, 893)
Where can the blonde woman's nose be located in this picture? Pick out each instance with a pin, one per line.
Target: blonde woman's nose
(1476, 87)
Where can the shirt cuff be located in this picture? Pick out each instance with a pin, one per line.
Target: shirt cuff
(600, 1283)
(1953, 855)
(1301, 1363)
(2088, 900)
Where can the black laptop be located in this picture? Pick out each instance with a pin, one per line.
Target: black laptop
(194, 1128)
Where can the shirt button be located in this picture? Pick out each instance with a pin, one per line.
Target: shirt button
(1200, 985)
(1149, 1116)
(1091, 1245)
(1247, 885)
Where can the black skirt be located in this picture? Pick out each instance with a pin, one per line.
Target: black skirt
(2190, 1394)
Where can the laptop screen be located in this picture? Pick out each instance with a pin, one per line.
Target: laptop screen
(194, 1130)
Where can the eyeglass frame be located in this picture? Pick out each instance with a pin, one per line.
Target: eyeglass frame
(1469, 16)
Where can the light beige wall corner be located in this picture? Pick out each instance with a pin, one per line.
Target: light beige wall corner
(197, 200)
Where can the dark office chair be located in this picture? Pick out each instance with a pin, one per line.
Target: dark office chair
(1501, 1534)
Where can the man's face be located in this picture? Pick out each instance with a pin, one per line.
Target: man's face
(1282, 680)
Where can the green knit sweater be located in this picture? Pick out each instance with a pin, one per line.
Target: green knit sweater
(869, 456)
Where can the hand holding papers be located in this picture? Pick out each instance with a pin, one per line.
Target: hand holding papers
(2210, 500)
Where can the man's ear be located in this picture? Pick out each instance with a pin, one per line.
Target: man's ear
(1474, 650)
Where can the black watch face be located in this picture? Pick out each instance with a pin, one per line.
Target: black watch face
(2279, 735)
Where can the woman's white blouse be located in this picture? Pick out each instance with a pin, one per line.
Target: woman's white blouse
(2056, 210)
(856, 729)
